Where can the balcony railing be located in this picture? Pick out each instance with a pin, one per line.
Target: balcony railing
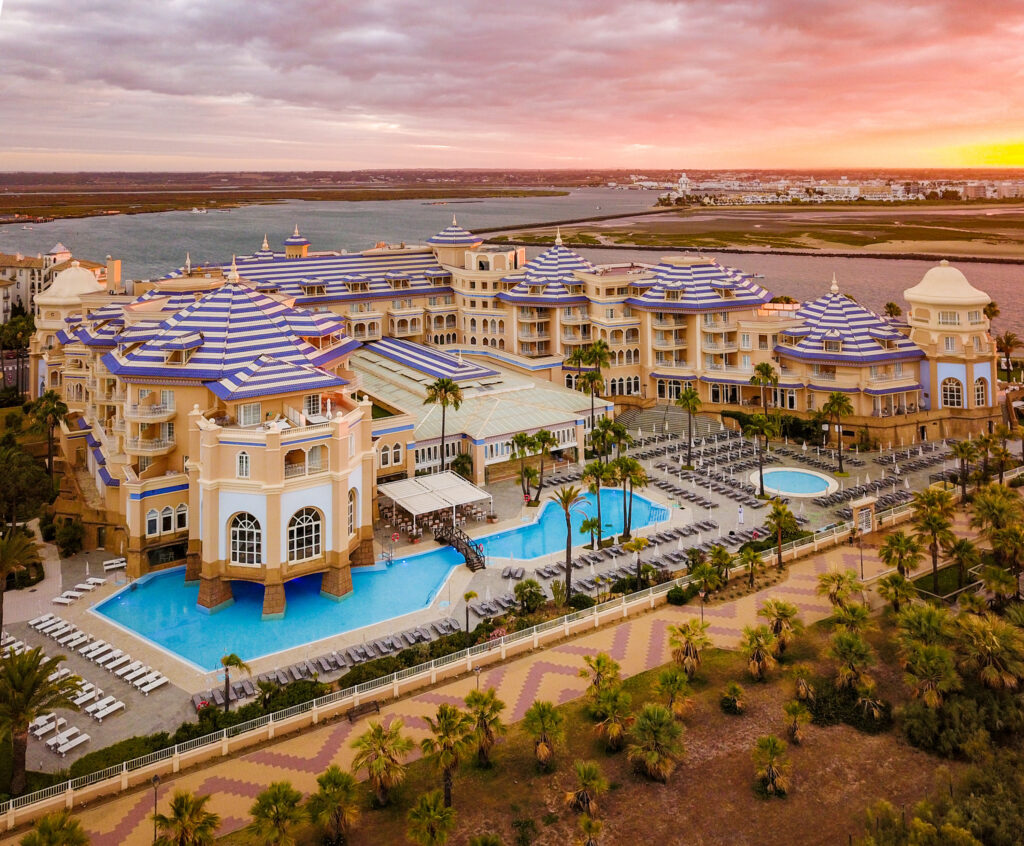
(292, 471)
(575, 317)
(149, 445)
(534, 336)
(889, 377)
(667, 324)
(669, 343)
(160, 410)
(727, 346)
(823, 376)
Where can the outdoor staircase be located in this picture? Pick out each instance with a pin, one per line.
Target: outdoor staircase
(463, 544)
(672, 417)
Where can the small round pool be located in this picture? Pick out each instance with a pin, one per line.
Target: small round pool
(790, 481)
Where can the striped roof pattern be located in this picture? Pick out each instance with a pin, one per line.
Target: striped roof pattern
(454, 236)
(295, 239)
(267, 375)
(546, 277)
(433, 362)
(699, 285)
(864, 336)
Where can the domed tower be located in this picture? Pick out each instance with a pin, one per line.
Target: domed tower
(295, 246)
(947, 321)
(451, 243)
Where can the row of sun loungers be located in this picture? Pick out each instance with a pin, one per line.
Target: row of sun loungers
(514, 573)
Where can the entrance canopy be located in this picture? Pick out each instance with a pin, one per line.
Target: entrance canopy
(424, 494)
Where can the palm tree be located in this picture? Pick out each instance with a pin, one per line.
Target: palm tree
(612, 709)
(759, 647)
(58, 829)
(838, 406)
(983, 443)
(804, 685)
(591, 382)
(486, 840)
(689, 401)
(750, 559)
(27, 692)
(468, 597)
(1002, 458)
(1008, 343)
(485, 710)
(568, 499)
(931, 673)
(732, 699)
(589, 828)
(995, 508)
(546, 726)
(544, 441)
(598, 356)
(896, 589)
(999, 583)
(590, 783)
(188, 823)
(965, 452)
(631, 473)
(991, 312)
(636, 546)
(523, 447)
(334, 808)
(592, 527)
(780, 521)
(891, 309)
(783, 621)
(601, 439)
(933, 519)
(444, 392)
(594, 476)
(706, 577)
(276, 814)
(674, 686)
(796, 714)
(452, 737)
(760, 426)
(229, 663)
(47, 412)
(772, 766)
(602, 670)
(686, 642)
(924, 625)
(721, 559)
(901, 551)
(853, 655)
(965, 555)
(656, 742)
(991, 650)
(431, 822)
(17, 553)
(380, 751)
(854, 617)
(838, 586)
(765, 376)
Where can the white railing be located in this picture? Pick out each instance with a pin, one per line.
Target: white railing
(149, 444)
(151, 410)
(293, 470)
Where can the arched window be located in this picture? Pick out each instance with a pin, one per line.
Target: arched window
(305, 530)
(242, 465)
(246, 540)
(152, 522)
(396, 455)
(352, 494)
(952, 393)
(472, 325)
(980, 393)
(167, 520)
(181, 517)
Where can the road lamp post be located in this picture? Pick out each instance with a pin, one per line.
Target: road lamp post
(701, 594)
(476, 672)
(156, 787)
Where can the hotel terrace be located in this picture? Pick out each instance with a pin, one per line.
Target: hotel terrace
(237, 418)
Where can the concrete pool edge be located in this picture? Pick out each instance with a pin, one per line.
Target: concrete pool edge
(831, 485)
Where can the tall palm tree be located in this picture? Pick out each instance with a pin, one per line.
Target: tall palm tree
(381, 752)
(57, 829)
(896, 589)
(933, 519)
(603, 672)
(632, 476)
(601, 439)
(783, 620)
(546, 725)
(765, 376)
(751, 559)
(523, 446)
(931, 673)
(781, 522)
(594, 476)
(431, 822)
(965, 452)
(853, 655)
(1002, 458)
(1011, 551)
(613, 709)
(47, 412)
(838, 406)
(444, 392)
(991, 650)
(485, 710)
(721, 559)
(544, 441)
(598, 356)
(590, 783)
(592, 527)
(991, 312)
(965, 555)
(229, 663)
(759, 647)
(796, 714)
(689, 401)
(995, 508)
(17, 552)
(901, 551)
(656, 742)
(276, 813)
(706, 577)
(568, 499)
(674, 686)
(999, 583)
(891, 309)
(686, 642)
(772, 765)
(468, 597)
(838, 586)
(853, 617)
(27, 692)
(188, 823)
(924, 625)
(334, 808)
(758, 427)
(450, 740)
(591, 382)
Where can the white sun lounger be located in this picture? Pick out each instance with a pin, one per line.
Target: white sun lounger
(50, 625)
(96, 581)
(62, 738)
(106, 651)
(151, 675)
(114, 564)
(78, 740)
(14, 645)
(67, 637)
(73, 594)
(113, 708)
(88, 696)
(120, 662)
(93, 648)
(153, 685)
(56, 675)
(131, 668)
(60, 630)
(99, 705)
(77, 640)
(40, 721)
(137, 673)
(41, 731)
(38, 621)
(112, 656)
(85, 587)
(61, 600)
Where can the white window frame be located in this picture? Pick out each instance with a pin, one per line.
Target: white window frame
(311, 404)
(243, 465)
(152, 523)
(245, 540)
(250, 414)
(305, 535)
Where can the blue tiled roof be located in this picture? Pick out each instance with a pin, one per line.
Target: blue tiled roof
(699, 285)
(544, 279)
(295, 240)
(108, 480)
(266, 376)
(454, 236)
(430, 361)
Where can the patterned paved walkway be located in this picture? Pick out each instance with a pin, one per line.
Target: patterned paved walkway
(638, 644)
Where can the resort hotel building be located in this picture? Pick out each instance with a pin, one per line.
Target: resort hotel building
(237, 418)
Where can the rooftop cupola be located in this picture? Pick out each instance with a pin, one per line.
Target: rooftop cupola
(295, 246)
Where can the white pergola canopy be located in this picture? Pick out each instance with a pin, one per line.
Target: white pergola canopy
(424, 494)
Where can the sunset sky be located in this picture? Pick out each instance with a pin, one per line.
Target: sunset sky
(329, 84)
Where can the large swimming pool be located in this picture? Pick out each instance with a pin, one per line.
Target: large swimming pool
(163, 609)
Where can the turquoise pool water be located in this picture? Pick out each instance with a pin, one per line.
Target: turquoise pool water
(797, 482)
(163, 609)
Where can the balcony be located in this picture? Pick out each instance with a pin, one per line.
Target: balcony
(149, 446)
(824, 376)
(668, 324)
(118, 425)
(575, 318)
(719, 326)
(724, 346)
(532, 315)
(669, 343)
(112, 397)
(730, 370)
(882, 378)
(534, 336)
(294, 471)
(402, 329)
(672, 364)
(163, 411)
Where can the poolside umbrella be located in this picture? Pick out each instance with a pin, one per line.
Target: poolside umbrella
(801, 507)
(679, 545)
(805, 446)
(906, 484)
(487, 594)
(592, 572)
(511, 587)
